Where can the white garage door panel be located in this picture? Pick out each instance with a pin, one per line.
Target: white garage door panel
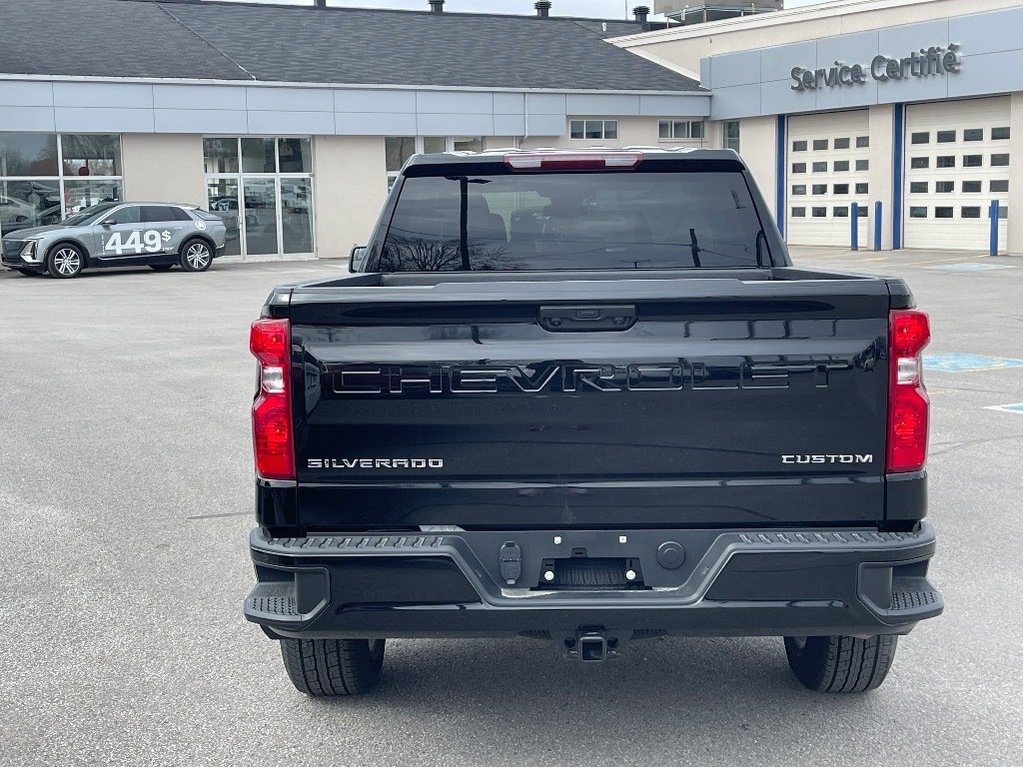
(956, 161)
(827, 170)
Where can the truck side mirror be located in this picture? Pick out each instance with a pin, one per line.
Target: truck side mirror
(357, 258)
(107, 223)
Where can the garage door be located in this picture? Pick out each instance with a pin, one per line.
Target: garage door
(957, 159)
(828, 170)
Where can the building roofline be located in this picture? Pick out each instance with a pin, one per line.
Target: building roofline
(243, 82)
(403, 11)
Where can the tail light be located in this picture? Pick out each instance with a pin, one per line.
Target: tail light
(270, 342)
(907, 439)
(573, 161)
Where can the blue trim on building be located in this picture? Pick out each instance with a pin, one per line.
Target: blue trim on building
(780, 174)
(878, 225)
(897, 176)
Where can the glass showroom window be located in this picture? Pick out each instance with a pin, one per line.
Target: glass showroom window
(398, 149)
(45, 176)
(690, 130)
(263, 189)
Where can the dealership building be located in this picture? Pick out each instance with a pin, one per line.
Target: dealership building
(291, 121)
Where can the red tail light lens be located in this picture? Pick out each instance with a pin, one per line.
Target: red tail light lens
(273, 446)
(907, 439)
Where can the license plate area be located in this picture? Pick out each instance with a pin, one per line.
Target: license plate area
(590, 573)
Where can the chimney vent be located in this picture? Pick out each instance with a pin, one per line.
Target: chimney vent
(640, 12)
(543, 8)
(437, 6)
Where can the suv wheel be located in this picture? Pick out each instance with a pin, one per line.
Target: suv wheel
(333, 667)
(841, 664)
(65, 261)
(196, 256)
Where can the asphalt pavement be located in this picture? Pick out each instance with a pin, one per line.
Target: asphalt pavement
(126, 501)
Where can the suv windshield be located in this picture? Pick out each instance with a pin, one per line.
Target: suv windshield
(88, 214)
(573, 221)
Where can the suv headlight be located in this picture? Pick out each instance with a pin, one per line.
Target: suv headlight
(28, 253)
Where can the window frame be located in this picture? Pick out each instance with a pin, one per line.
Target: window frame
(605, 121)
(728, 140)
(62, 178)
(689, 130)
(278, 176)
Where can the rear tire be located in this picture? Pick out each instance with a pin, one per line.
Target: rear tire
(333, 667)
(841, 664)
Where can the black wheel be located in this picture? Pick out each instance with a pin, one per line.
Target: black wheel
(196, 255)
(333, 667)
(65, 260)
(841, 664)
(160, 267)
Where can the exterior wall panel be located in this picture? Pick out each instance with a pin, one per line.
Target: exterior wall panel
(374, 124)
(289, 99)
(374, 101)
(979, 33)
(453, 103)
(349, 188)
(737, 101)
(25, 94)
(220, 121)
(94, 95)
(598, 106)
(742, 68)
(510, 125)
(103, 120)
(985, 73)
(669, 106)
(32, 119)
(163, 167)
(455, 124)
(199, 97)
(290, 122)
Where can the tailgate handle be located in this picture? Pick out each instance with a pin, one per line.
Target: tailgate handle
(617, 317)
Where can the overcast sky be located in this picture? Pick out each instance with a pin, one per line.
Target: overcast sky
(603, 9)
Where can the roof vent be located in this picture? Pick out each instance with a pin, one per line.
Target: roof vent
(437, 6)
(640, 12)
(319, 3)
(543, 8)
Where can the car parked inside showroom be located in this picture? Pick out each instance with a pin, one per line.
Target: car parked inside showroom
(116, 234)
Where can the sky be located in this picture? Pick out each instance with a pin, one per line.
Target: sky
(602, 9)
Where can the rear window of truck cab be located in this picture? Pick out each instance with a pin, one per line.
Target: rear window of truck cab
(461, 219)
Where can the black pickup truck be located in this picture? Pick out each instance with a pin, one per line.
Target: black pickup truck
(585, 397)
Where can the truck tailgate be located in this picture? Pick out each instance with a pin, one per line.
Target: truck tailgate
(587, 403)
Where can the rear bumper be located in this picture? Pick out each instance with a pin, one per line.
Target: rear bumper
(452, 584)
